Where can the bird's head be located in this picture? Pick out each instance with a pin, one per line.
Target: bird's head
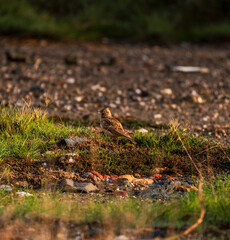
(105, 112)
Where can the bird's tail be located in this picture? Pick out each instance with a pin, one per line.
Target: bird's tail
(131, 139)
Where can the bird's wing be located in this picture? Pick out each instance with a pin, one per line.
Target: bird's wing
(114, 126)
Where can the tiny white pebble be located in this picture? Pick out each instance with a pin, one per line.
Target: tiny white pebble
(157, 116)
(70, 80)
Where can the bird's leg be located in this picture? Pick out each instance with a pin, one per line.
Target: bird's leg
(117, 140)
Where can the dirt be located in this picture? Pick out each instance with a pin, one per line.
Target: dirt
(136, 81)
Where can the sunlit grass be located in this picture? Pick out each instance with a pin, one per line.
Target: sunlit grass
(28, 133)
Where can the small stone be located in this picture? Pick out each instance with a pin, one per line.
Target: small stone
(112, 105)
(85, 187)
(68, 185)
(78, 235)
(97, 174)
(157, 116)
(72, 160)
(166, 91)
(143, 181)
(62, 159)
(71, 142)
(157, 176)
(16, 56)
(137, 175)
(72, 154)
(37, 91)
(114, 176)
(92, 176)
(87, 174)
(71, 59)
(94, 232)
(126, 182)
(142, 130)
(120, 193)
(70, 80)
(24, 194)
(106, 177)
(68, 107)
(162, 190)
(128, 177)
(78, 98)
(205, 119)
(108, 61)
(6, 188)
(121, 237)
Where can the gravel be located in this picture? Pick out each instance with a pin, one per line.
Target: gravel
(134, 80)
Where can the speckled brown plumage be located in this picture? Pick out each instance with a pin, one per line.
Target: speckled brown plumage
(111, 126)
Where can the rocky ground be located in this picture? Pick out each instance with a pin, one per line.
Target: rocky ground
(143, 82)
(136, 81)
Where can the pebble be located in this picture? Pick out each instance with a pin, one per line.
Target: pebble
(157, 116)
(114, 176)
(16, 56)
(71, 59)
(166, 91)
(71, 142)
(6, 188)
(70, 80)
(142, 181)
(68, 185)
(121, 237)
(97, 174)
(128, 177)
(137, 175)
(120, 193)
(72, 160)
(24, 194)
(164, 190)
(142, 130)
(78, 98)
(87, 174)
(85, 187)
(72, 154)
(106, 177)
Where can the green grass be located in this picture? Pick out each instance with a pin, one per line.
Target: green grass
(25, 134)
(116, 214)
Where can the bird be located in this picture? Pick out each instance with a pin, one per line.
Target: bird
(111, 126)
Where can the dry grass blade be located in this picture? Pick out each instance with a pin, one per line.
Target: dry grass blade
(202, 212)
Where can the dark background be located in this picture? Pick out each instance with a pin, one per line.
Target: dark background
(148, 20)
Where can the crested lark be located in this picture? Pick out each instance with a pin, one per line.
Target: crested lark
(112, 126)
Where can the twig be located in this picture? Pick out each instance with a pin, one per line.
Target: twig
(199, 193)
(224, 152)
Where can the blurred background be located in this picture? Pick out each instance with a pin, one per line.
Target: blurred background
(163, 21)
(181, 73)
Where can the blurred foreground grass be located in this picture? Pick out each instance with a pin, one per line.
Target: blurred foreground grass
(115, 215)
